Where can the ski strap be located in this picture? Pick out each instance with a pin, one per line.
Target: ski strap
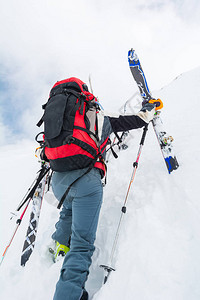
(158, 103)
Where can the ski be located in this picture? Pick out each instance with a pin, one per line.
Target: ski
(34, 219)
(165, 141)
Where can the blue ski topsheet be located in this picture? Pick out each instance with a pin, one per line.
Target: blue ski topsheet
(139, 75)
(164, 140)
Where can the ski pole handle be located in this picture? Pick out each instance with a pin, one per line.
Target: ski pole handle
(144, 135)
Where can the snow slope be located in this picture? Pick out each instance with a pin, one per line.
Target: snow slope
(158, 251)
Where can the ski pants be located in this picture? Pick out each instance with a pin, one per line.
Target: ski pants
(78, 219)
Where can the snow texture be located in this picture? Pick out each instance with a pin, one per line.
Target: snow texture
(157, 255)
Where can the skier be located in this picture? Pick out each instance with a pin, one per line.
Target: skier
(77, 225)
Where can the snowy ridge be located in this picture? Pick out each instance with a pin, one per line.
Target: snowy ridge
(158, 251)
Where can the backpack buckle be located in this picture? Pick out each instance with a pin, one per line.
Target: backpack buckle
(68, 140)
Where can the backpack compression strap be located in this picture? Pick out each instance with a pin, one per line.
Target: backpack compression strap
(80, 96)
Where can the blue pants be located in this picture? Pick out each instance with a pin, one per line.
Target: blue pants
(78, 218)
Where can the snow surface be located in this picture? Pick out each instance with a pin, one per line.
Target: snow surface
(157, 256)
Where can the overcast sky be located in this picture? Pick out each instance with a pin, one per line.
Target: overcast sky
(45, 41)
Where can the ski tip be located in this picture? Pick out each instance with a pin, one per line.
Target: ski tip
(131, 52)
(132, 58)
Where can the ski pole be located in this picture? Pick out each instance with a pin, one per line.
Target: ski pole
(25, 196)
(109, 268)
(44, 170)
(18, 222)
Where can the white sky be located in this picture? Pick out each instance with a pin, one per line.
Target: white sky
(45, 41)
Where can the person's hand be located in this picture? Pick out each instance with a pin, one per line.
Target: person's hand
(147, 112)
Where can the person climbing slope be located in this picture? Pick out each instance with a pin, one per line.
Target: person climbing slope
(76, 134)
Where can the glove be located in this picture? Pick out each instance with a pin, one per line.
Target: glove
(149, 109)
(147, 112)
